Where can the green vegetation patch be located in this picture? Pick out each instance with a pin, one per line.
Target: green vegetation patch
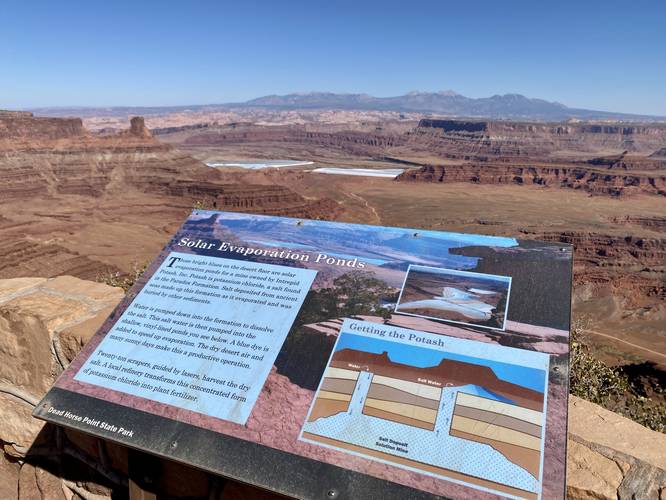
(635, 391)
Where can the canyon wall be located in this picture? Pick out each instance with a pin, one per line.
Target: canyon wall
(603, 159)
(598, 182)
(527, 138)
(18, 126)
(56, 156)
(367, 141)
(73, 202)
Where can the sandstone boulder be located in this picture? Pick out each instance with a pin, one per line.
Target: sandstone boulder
(591, 474)
(34, 314)
(36, 483)
(9, 476)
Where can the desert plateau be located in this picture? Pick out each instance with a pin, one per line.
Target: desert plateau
(599, 186)
(88, 202)
(96, 202)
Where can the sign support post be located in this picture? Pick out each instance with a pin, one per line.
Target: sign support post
(144, 471)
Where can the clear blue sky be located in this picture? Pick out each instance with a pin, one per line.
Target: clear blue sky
(606, 55)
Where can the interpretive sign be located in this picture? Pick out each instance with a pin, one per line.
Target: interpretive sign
(321, 359)
(200, 311)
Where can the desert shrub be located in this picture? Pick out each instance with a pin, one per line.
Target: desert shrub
(204, 205)
(122, 280)
(645, 411)
(351, 294)
(590, 378)
(618, 389)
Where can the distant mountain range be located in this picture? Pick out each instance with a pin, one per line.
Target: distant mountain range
(514, 106)
(448, 103)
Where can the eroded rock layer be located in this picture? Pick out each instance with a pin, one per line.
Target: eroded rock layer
(604, 159)
(518, 139)
(59, 181)
(20, 126)
(574, 177)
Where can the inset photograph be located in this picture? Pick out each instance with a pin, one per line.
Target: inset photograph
(458, 296)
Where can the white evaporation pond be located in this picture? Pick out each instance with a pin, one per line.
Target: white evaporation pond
(454, 300)
(390, 173)
(258, 164)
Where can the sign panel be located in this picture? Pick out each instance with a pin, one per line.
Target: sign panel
(441, 406)
(316, 358)
(218, 315)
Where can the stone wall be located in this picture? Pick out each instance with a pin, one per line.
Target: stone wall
(609, 456)
(45, 322)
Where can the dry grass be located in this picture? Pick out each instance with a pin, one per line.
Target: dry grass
(123, 280)
(620, 390)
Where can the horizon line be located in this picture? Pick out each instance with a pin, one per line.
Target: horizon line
(451, 93)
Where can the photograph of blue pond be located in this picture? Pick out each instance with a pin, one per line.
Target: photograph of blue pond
(457, 296)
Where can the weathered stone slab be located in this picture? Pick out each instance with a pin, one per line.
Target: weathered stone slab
(590, 474)
(611, 456)
(34, 311)
(595, 424)
(36, 483)
(9, 478)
